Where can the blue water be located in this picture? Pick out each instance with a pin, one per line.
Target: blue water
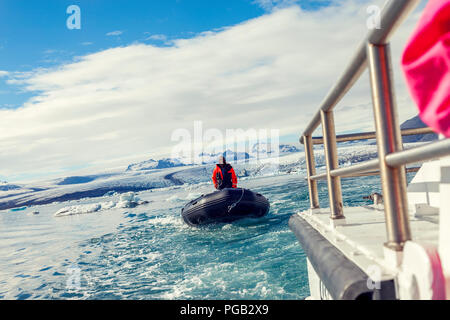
(149, 253)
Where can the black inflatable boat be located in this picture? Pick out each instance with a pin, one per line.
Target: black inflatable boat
(226, 206)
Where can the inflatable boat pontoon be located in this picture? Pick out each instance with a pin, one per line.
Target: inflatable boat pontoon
(225, 206)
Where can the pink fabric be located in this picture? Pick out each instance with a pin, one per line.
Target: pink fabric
(426, 65)
(438, 284)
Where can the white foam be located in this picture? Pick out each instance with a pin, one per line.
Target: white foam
(278, 201)
(193, 195)
(173, 198)
(167, 220)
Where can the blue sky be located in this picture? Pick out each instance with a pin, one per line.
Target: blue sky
(34, 33)
(115, 91)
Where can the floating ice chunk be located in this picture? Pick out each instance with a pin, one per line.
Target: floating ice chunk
(81, 209)
(129, 196)
(108, 205)
(128, 200)
(125, 204)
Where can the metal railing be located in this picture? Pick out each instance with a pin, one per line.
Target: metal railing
(373, 53)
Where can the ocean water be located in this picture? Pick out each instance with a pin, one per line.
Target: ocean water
(149, 253)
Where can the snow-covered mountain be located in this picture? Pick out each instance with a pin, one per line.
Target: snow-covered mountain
(155, 164)
(288, 148)
(5, 186)
(258, 151)
(416, 122)
(413, 123)
(262, 148)
(230, 156)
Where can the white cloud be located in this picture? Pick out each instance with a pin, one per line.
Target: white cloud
(271, 4)
(124, 103)
(114, 33)
(157, 37)
(3, 73)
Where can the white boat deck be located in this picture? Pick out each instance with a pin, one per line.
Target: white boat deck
(361, 235)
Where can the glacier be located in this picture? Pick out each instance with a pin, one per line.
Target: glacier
(168, 173)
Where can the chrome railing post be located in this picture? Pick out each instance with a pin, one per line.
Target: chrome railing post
(389, 140)
(311, 171)
(331, 160)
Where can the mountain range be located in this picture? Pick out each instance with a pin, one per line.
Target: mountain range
(259, 150)
(263, 150)
(416, 122)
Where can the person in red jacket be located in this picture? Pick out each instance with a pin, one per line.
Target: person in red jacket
(224, 175)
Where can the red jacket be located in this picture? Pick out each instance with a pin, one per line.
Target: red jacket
(218, 173)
